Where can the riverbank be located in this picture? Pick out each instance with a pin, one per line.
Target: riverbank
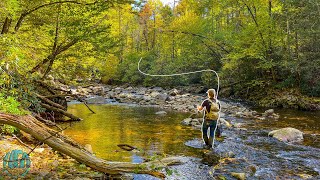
(45, 162)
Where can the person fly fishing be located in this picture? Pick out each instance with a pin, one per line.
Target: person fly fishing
(211, 107)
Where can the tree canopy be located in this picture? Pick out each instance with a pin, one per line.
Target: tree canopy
(253, 44)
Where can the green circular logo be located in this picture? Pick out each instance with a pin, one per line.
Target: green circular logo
(16, 163)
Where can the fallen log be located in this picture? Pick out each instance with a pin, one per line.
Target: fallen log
(48, 101)
(65, 113)
(44, 134)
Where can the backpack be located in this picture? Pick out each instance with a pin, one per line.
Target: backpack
(214, 111)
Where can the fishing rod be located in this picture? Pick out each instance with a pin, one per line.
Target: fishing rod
(187, 73)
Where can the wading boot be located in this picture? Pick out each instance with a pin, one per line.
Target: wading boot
(210, 141)
(206, 141)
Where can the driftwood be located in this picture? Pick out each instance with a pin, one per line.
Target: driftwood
(65, 113)
(126, 147)
(58, 142)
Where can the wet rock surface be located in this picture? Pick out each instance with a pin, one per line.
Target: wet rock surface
(252, 154)
(287, 134)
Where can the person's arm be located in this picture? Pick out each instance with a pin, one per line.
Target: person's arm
(200, 108)
(219, 105)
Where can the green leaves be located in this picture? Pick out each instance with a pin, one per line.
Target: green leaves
(10, 105)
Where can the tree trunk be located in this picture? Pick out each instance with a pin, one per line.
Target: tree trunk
(6, 25)
(44, 134)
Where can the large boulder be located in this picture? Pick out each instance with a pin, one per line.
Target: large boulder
(287, 134)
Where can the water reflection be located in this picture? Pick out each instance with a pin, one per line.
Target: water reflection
(136, 126)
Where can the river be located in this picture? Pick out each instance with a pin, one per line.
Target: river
(164, 134)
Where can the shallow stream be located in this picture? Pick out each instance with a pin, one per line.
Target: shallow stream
(164, 134)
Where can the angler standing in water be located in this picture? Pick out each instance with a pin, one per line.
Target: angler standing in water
(211, 106)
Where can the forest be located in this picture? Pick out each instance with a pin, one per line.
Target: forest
(266, 52)
(258, 47)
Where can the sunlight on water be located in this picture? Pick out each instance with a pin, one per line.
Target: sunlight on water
(136, 126)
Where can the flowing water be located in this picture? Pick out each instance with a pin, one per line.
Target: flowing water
(158, 134)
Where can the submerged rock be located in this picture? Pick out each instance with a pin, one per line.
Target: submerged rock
(161, 113)
(186, 121)
(240, 176)
(287, 134)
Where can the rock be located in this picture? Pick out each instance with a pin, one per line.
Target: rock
(96, 100)
(287, 134)
(186, 122)
(161, 113)
(157, 89)
(254, 113)
(43, 173)
(88, 147)
(305, 176)
(197, 127)
(269, 112)
(39, 150)
(247, 114)
(239, 176)
(195, 122)
(162, 97)
(224, 122)
(147, 98)
(141, 91)
(239, 114)
(154, 94)
(252, 169)
(210, 158)
(123, 95)
(97, 90)
(111, 94)
(173, 92)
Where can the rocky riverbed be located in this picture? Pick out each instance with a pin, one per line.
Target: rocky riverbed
(243, 153)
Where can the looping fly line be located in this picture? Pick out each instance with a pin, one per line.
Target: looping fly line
(180, 74)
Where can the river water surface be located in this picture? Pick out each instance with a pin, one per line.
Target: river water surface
(137, 126)
(164, 134)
